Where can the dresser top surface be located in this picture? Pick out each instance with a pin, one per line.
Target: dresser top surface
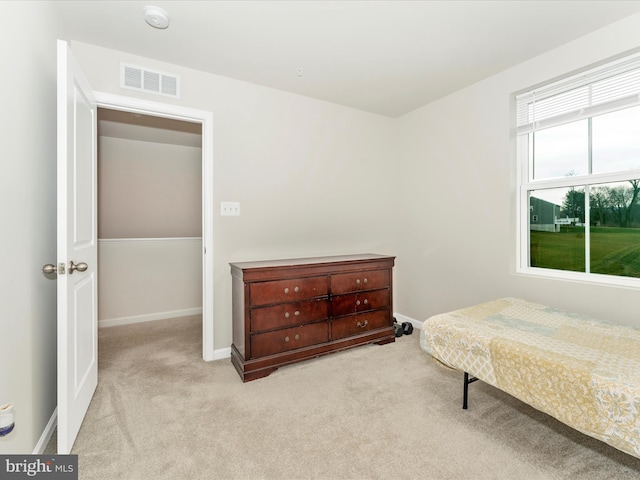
(292, 262)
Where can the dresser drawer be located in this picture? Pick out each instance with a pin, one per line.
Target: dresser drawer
(278, 291)
(353, 282)
(270, 343)
(286, 314)
(359, 302)
(360, 323)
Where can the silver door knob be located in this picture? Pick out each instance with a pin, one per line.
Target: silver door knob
(81, 267)
(49, 268)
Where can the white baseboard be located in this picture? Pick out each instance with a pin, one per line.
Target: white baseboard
(417, 324)
(46, 434)
(221, 353)
(113, 322)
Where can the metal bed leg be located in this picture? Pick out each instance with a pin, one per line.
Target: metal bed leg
(467, 381)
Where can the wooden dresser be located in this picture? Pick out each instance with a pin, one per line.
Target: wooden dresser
(286, 311)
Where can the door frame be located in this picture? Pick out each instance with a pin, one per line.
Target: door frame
(205, 118)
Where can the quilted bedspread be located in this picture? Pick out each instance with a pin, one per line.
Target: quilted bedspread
(582, 372)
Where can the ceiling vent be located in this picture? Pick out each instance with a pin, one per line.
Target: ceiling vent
(145, 80)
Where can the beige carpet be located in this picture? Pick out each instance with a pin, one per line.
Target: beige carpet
(374, 412)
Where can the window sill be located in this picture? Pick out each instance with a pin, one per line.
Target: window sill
(578, 277)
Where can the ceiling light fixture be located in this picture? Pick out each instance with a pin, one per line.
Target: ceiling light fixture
(156, 17)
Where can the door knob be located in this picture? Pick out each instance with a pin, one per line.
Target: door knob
(49, 268)
(81, 267)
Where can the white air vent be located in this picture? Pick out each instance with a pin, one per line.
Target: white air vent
(138, 78)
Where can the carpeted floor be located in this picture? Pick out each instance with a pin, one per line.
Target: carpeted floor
(374, 412)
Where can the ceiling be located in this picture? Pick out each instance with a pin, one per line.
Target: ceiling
(384, 57)
(147, 128)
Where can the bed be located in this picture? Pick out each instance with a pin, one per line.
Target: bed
(583, 372)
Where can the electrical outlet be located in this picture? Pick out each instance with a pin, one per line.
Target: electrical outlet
(230, 209)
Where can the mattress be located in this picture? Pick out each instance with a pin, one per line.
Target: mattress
(583, 372)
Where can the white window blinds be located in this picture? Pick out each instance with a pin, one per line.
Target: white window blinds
(604, 89)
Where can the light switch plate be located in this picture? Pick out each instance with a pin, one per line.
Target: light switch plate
(230, 209)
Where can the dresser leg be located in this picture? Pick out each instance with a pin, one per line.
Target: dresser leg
(256, 374)
(386, 340)
(245, 371)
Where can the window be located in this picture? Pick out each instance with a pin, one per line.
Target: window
(579, 176)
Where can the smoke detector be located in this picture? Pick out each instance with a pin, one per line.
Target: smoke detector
(156, 17)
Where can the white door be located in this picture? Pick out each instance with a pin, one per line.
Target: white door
(77, 246)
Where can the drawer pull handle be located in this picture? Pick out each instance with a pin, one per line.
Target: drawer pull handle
(286, 315)
(297, 289)
(365, 280)
(286, 339)
(366, 302)
(297, 313)
(357, 281)
(362, 325)
(286, 290)
(297, 337)
(357, 302)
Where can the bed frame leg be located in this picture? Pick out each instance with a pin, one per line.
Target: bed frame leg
(467, 381)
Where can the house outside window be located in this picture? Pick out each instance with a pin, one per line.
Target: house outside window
(578, 153)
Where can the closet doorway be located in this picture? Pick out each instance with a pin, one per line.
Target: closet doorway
(149, 218)
(154, 213)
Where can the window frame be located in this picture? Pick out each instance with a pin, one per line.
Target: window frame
(525, 184)
(523, 250)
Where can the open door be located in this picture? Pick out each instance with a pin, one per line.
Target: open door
(77, 248)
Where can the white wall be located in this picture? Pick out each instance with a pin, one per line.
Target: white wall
(312, 178)
(148, 189)
(150, 279)
(28, 206)
(151, 191)
(457, 235)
